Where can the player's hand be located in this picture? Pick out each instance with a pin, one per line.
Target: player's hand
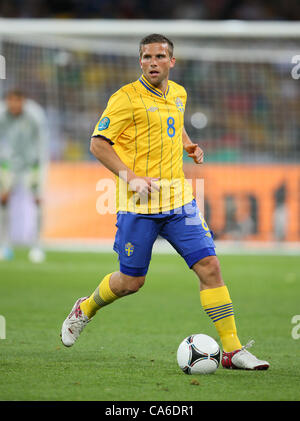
(144, 185)
(194, 151)
(38, 200)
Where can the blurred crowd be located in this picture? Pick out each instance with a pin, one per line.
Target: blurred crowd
(154, 9)
(239, 111)
(251, 109)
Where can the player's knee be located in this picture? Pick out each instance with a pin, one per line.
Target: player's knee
(208, 270)
(211, 265)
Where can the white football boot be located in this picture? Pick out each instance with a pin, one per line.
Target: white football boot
(74, 324)
(243, 359)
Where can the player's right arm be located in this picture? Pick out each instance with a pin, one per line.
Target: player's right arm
(105, 153)
(115, 119)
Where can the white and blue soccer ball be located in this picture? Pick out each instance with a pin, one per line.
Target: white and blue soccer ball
(198, 354)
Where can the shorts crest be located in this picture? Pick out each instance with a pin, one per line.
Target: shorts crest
(129, 248)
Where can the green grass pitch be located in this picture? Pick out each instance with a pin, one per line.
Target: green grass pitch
(128, 351)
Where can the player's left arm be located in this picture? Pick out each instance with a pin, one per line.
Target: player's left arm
(193, 149)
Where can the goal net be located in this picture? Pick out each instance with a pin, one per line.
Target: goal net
(243, 109)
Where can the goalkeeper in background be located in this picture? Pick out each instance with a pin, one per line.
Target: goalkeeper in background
(23, 157)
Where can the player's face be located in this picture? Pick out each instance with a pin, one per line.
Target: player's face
(156, 63)
(14, 104)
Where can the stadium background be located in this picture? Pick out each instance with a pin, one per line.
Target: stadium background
(243, 108)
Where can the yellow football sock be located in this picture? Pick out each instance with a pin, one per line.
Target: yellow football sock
(217, 304)
(101, 297)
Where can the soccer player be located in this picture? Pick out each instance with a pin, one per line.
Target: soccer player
(23, 156)
(140, 138)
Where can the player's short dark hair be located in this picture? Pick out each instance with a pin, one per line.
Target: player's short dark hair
(157, 38)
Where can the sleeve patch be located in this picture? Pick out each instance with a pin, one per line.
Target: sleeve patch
(103, 123)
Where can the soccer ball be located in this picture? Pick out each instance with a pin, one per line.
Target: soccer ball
(198, 354)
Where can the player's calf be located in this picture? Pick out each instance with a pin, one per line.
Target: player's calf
(122, 284)
(113, 286)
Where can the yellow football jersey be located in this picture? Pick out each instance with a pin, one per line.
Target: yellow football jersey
(145, 128)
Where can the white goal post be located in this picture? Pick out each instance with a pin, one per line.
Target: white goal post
(176, 28)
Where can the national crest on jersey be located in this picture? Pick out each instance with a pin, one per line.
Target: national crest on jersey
(179, 104)
(145, 128)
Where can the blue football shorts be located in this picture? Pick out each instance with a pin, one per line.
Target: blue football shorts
(184, 228)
